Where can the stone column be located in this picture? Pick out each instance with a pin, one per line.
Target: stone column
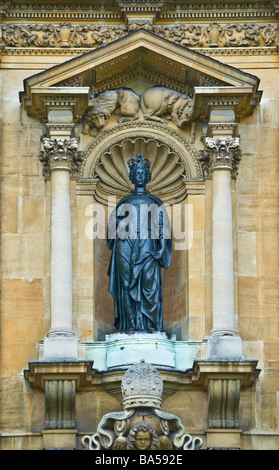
(61, 252)
(60, 159)
(220, 156)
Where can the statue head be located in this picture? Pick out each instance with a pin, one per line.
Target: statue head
(140, 173)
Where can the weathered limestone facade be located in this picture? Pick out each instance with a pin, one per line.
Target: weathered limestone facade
(194, 86)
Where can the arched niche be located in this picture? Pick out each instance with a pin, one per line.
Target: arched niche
(174, 162)
(163, 134)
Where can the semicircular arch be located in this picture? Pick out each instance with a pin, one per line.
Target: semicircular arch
(173, 160)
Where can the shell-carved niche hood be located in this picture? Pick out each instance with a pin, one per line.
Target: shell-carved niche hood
(168, 172)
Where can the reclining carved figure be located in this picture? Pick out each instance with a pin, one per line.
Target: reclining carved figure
(157, 104)
(123, 101)
(161, 101)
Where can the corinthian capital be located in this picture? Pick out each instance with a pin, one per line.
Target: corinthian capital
(220, 153)
(60, 153)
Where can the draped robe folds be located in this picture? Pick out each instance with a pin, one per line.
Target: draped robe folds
(135, 275)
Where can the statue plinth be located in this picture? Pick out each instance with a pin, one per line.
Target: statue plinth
(139, 335)
(124, 349)
(121, 350)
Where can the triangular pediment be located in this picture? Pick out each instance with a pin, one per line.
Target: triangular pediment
(144, 58)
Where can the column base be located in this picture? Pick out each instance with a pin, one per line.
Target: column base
(59, 439)
(224, 347)
(60, 345)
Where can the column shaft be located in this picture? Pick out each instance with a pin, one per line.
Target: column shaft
(60, 159)
(222, 253)
(220, 158)
(61, 251)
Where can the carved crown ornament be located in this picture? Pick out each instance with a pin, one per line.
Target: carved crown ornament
(142, 425)
(88, 36)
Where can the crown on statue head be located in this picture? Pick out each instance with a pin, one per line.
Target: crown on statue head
(139, 161)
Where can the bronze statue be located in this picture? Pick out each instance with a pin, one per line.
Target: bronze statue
(139, 237)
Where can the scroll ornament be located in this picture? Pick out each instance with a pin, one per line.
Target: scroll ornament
(142, 425)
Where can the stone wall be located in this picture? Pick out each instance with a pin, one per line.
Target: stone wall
(25, 231)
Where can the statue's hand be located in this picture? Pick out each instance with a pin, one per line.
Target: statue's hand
(157, 255)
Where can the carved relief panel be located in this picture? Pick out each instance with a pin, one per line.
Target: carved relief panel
(155, 104)
(68, 35)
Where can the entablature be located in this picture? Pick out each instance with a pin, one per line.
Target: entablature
(87, 378)
(162, 9)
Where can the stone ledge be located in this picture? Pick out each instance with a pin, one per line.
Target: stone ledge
(40, 371)
(123, 350)
(243, 370)
(87, 378)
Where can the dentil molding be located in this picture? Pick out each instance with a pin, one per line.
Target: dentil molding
(119, 9)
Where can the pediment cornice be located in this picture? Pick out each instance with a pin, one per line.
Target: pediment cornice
(143, 57)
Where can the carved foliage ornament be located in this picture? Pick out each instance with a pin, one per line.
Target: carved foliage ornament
(60, 153)
(64, 35)
(67, 35)
(142, 425)
(218, 35)
(220, 153)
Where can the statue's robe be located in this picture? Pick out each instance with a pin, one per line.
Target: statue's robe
(135, 276)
